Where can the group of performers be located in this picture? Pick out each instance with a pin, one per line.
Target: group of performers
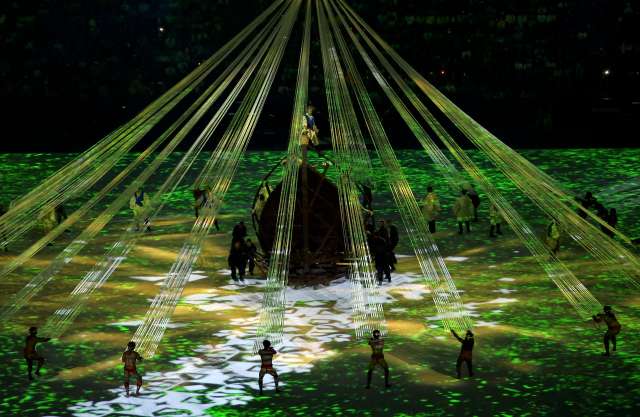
(130, 358)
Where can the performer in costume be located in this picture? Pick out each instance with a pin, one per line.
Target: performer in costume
(310, 131)
(466, 351)
(553, 237)
(431, 208)
(463, 210)
(30, 353)
(495, 219)
(137, 204)
(130, 358)
(613, 327)
(377, 359)
(266, 367)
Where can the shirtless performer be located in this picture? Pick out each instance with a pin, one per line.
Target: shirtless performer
(30, 353)
(377, 359)
(466, 351)
(130, 358)
(613, 328)
(266, 355)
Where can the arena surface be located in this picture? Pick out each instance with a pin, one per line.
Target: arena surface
(533, 355)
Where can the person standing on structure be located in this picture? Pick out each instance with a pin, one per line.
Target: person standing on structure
(431, 208)
(613, 327)
(463, 210)
(31, 354)
(377, 359)
(309, 136)
(138, 204)
(130, 358)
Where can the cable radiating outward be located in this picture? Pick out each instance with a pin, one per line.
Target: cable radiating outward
(217, 177)
(271, 321)
(354, 167)
(438, 279)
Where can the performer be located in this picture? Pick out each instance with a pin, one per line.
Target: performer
(613, 327)
(394, 239)
(612, 220)
(202, 197)
(380, 249)
(137, 204)
(30, 353)
(431, 208)
(310, 131)
(237, 260)
(239, 232)
(496, 219)
(466, 351)
(251, 251)
(266, 367)
(48, 220)
(377, 359)
(366, 196)
(130, 358)
(463, 210)
(475, 200)
(553, 237)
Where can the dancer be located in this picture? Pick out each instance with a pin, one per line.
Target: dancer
(239, 232)
(366, 195)
(475, 200)
(30, 353)
(466, 351)
(137, 204)
(553, 237)
(130, 358)
(463, 210)
(495, 219)
(266, 366)
(613, 327)
(237, 260)
(309, 136)
(251, 251)
(394, 239)
(377, 359)
(202, 197)
(380, 249)
(431, 208)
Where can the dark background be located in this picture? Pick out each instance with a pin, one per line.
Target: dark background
(560, 73)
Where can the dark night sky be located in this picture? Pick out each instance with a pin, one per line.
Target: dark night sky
(537, 73)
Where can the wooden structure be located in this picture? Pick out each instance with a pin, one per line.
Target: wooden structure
(317, 246)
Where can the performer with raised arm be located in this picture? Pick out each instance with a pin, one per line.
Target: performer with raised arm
(613, 327)
(466, 351)
(377, 359)
(266, 366)
(30, 353)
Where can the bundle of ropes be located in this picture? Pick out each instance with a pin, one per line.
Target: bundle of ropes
(353, 166)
